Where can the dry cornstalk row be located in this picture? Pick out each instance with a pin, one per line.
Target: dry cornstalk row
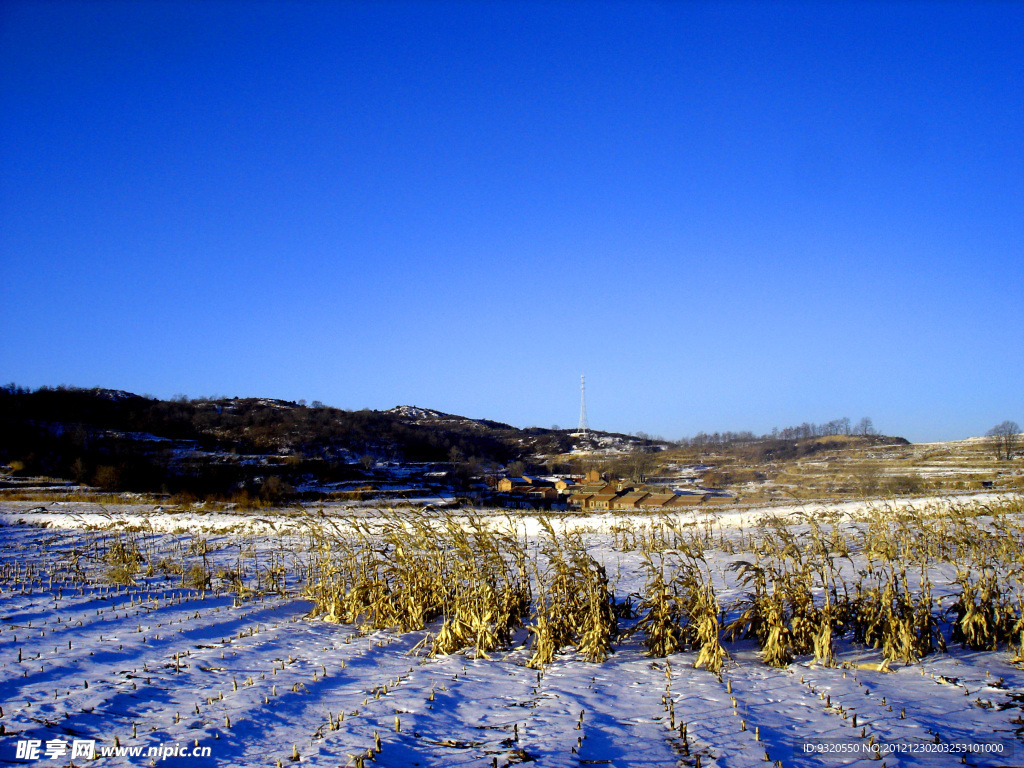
(798, 601)
(882, 580)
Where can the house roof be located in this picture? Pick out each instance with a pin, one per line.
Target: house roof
(630, 499)
(686, 499)
(658, 500)
(545, 492)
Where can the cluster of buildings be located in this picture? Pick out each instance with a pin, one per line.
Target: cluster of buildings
(593, 492)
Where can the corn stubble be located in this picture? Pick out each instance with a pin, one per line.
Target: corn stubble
(413, 570)
(804, 583)
(574, 604)
(798, 601)
(681, 610)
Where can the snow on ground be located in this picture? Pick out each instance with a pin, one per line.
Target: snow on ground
(73, 514)
(252, 682)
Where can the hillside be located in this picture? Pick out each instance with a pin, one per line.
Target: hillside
(122, 441)
(845, 466)
(277, 450)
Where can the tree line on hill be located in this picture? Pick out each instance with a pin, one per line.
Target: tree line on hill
(865, 427)
(122, 441)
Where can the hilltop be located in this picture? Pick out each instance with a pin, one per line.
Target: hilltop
(119, 440)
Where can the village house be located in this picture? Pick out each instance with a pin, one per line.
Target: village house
(531, 492)
(629, 500)
(560, 484)
(595, 493)
(657, 500)
(677, 500)
(598, 493)
(506, 484)
(601, 501)
(609, 496)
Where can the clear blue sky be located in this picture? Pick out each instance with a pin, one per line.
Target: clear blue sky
(728, 215)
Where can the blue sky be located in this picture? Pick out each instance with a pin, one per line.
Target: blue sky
(728, 215)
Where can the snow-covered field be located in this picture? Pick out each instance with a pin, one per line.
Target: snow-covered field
(238, 675)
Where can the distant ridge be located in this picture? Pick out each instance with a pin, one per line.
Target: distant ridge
(428, 416)
(415, 413)
(116, 395)
(122, 441)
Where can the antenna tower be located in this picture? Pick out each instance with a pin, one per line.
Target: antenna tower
(583, 428)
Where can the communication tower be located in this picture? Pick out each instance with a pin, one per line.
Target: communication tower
(584, 428)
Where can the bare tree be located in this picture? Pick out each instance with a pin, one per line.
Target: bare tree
(1005, 437)
(864, 427)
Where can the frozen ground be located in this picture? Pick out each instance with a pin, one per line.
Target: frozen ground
(251, 682)
(85, 515)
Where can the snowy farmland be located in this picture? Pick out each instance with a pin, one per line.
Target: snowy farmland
(847, 635)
